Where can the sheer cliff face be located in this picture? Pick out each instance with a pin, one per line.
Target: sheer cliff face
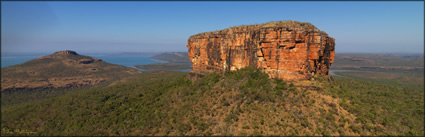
(290, 52)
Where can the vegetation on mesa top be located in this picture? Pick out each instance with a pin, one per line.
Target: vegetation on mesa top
(293, 25)
(285, 24)
(242, 102)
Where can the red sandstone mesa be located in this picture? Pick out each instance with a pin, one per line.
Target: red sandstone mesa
(288, 50)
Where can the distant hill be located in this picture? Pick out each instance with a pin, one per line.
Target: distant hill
(173, 57)
(134, 54)
(62, 69)
(164, 66)
(406, 62)
(385, 68)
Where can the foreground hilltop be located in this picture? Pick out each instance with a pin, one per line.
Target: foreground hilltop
(61, 69)
(288, 50)
(240, 103)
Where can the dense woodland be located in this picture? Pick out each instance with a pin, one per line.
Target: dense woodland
(243, 102)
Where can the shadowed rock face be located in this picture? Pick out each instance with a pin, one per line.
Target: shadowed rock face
(288, 50)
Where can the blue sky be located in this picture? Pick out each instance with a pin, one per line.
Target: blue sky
(358, 27)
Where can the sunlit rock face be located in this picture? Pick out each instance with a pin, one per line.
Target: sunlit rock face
(288, 50)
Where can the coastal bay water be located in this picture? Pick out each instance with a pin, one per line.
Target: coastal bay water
(15, 60)
(127, 61)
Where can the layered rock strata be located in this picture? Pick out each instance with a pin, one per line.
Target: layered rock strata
(288, 50)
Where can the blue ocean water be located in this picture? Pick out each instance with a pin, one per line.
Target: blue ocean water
(127, 61)
(15, 60)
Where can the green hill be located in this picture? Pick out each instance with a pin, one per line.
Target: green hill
(57, 73)
(243, 102)
(59, 70)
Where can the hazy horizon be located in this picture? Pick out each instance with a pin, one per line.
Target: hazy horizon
(114, 27)
(5, 54)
